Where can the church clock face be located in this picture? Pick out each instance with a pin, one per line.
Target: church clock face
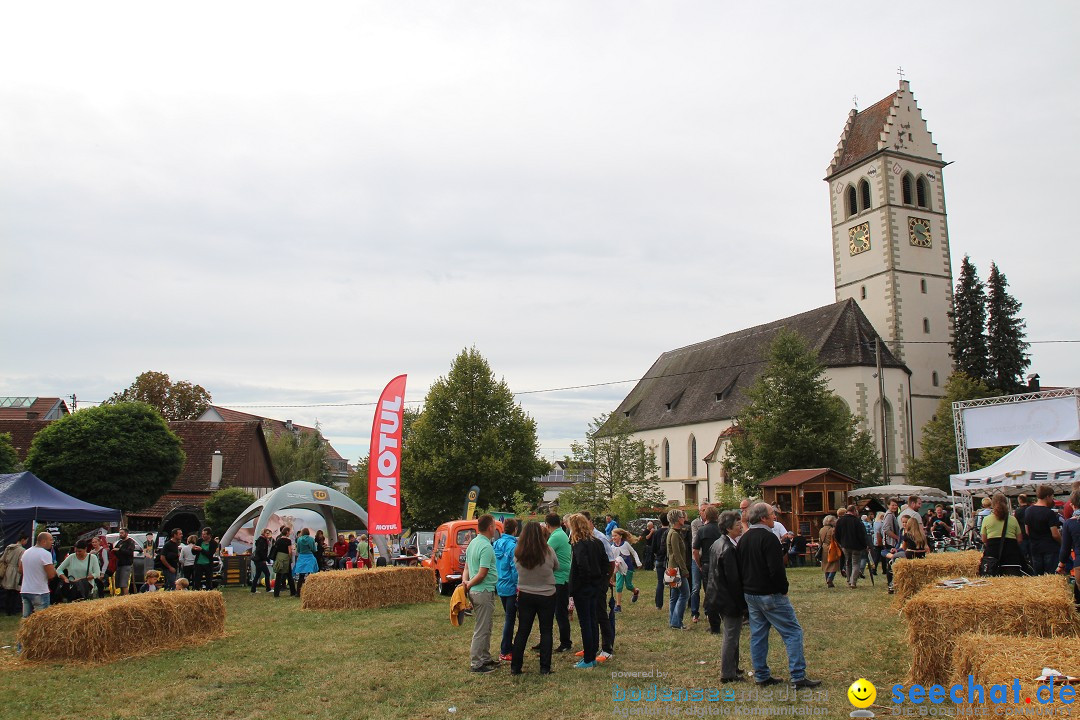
(859, 238)
(919, 232)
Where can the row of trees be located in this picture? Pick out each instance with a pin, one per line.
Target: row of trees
(989, 344)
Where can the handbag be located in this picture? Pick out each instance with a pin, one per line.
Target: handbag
(991, 566)
(672, 577)
(835, 553)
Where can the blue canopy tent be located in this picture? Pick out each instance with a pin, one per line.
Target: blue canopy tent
(24, 499)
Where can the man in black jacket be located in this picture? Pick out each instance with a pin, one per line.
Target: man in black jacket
(169, 557)
(765, 586)
(724, 601)
(659, 548)
(125, 559)
(261, 557)
(851, 537)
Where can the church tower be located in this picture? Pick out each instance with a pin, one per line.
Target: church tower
(891, 254)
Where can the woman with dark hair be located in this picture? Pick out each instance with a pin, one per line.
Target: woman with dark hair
(320, 550)
(1001, 536)
(281, 555)
(589, 571)
(536, 565)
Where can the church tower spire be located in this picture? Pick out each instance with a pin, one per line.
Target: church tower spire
(891, 248)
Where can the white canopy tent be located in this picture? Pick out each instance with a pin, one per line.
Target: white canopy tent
(900, 492)
(1028, 465)
(308, 496)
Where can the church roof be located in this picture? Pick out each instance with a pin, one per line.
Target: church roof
(893, 123)
(706, 382)
(862, 135)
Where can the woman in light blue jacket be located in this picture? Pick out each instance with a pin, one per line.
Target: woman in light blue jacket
(506, 584)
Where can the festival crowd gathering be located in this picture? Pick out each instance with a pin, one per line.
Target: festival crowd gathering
(730, 566)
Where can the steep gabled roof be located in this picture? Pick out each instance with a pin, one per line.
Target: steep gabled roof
(242, 447)
(22, 433)
(707, 381)
(793, 478)
(894, 123)
(275, 427)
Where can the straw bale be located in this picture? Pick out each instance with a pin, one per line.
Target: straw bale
(1004, 659)
(912, 575)
(1021, 606)
(122, 626)
(362, 589)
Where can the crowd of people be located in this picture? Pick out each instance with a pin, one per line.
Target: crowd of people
(290, 559)
(548, 571)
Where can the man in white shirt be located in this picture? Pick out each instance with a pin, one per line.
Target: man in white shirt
(914, 502)
(36, 566)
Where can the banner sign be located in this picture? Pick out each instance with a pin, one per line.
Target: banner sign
(384, 461)
(470, 502)
(1046, 420)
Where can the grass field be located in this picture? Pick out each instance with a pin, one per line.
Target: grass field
(410, 662)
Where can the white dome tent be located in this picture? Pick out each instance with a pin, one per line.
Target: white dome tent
(308, 496)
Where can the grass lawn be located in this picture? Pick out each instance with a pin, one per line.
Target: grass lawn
(409, 662)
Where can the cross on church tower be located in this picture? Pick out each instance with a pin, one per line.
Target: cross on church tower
(855, 99)
(900, 72)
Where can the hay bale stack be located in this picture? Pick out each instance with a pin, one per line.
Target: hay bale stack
(122, 626)
(1037, 607)
(364, 589)
(1002, 659)
(911, 576)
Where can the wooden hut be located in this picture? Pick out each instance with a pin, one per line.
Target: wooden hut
(805, 497)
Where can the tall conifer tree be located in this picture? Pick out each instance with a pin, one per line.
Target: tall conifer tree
(969, 345)
(1008, 358)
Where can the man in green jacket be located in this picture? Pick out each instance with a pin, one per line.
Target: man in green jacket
(676, 553)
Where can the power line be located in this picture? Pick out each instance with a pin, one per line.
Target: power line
(610, 382)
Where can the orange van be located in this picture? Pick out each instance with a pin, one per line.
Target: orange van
(448, 552)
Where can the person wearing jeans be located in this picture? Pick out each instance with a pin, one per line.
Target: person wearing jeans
(659, 546)
(507, 584)
(695, 571)
(535, 563)
(1042, 529)
(765, 586)
(676, 559)
(559, 542)
(260, 558)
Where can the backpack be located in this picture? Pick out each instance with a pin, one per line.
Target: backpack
(660, 549)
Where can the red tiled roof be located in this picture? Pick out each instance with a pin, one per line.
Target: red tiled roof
(865, 134)
(169, 502)
(22, 433)
(38, 410)
(245, 457)
(798, 477)
(276, 427)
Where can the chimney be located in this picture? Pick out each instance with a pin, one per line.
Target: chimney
(215, 470)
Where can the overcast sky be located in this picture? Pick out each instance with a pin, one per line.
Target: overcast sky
(292, 203)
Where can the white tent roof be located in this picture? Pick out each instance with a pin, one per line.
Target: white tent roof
(1030, 463)
(901, 492)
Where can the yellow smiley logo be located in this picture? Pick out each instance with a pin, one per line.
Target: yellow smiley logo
(862, 693)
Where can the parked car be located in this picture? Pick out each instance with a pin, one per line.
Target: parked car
(448, 551)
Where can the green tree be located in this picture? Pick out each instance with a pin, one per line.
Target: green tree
(795, 421)
(175, 401)
(1008, 358)
(224, 506)
(938, 443)
(9, 459)
(299, 456)
(613, 465)
(121, 456)
(471, 432)
(969, 345)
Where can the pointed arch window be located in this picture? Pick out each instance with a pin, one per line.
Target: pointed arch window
(922, 192)
(667, 459)
(864, 194)
(905, 187)
(852, 201)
